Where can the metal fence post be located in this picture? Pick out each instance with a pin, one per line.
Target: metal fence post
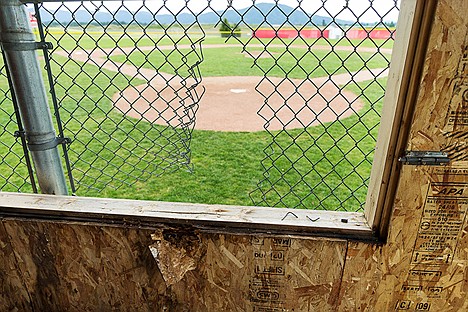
(19, 45)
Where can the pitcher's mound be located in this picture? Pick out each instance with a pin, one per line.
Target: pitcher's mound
(235, 103)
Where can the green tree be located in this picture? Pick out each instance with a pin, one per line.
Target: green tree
(226, 29)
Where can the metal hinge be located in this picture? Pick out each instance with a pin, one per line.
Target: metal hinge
(427, 158)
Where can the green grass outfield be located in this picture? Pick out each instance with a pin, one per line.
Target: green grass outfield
(227, 165)
(136, 36)
(229, 61)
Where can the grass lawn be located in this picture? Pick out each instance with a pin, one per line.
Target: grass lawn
(121, 153)
(292, 63)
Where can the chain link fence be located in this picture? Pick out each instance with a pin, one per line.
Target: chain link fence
(16, 172)
(296, 86)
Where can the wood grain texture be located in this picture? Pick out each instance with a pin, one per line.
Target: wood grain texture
(400, 102)
(82, 268)
(87, 268)
(77, 266)
(393, 110)
(423, 264)
(203, 216)
(250, 273)
(13, 292)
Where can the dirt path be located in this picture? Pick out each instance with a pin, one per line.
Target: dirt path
(232, 103)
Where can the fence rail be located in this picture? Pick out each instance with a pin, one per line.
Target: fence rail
(279, 122)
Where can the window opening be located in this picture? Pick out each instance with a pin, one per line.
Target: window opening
(275, 103)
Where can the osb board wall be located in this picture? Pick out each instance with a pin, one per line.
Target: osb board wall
(423, 265)
(13, 293)
(72, 267)
(78, 267)
(242, 273)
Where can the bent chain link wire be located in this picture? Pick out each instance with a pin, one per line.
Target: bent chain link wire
(132, 144)
(324, 168)
(115, 144)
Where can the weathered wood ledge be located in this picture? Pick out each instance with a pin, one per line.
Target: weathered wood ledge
(154, 214)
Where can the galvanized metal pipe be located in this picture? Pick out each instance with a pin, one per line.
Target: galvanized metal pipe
(18, 44)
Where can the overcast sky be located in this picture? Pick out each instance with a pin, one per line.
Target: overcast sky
(382, 7)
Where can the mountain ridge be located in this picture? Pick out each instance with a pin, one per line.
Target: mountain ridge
(263, 14)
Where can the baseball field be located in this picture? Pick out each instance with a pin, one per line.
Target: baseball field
(316, 154)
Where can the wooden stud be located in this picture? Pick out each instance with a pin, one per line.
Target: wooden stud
(400, 97)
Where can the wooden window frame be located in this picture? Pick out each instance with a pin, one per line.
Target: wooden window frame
(408, 56)
(407, 61)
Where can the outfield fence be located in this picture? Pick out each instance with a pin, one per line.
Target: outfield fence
(126, 103)
(334, 33)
